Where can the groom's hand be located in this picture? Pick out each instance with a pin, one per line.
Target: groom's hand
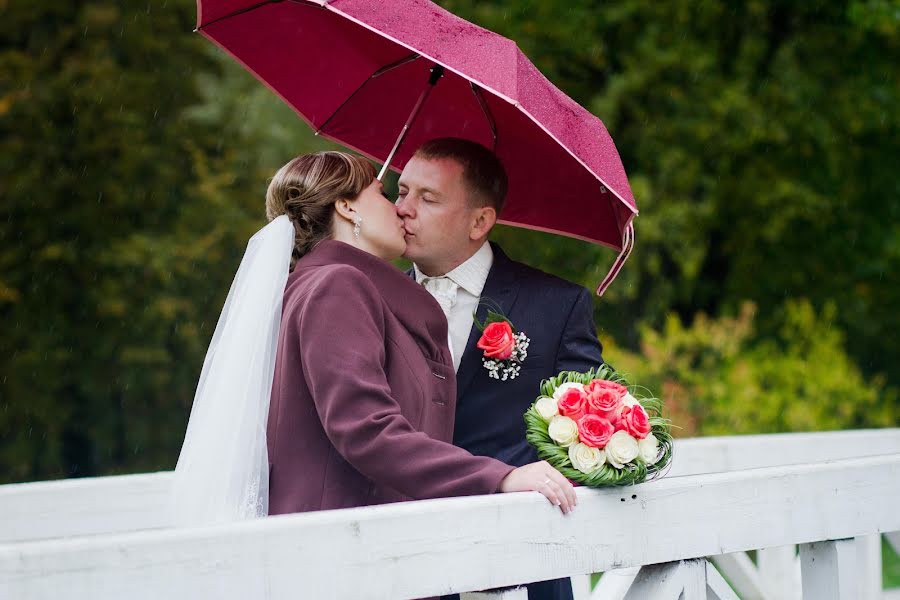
(541, 477)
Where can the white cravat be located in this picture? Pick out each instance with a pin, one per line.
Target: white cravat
(467, 281)
(444, 291)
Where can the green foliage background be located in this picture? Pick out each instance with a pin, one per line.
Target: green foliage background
(761, 139)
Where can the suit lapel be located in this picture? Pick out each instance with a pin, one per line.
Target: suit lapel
(500, 291)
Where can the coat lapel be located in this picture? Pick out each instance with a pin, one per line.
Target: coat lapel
(500, 291)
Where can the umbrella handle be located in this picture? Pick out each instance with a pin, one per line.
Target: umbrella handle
(437, 71)
(627, 246)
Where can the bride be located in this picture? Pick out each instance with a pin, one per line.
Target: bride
(328, 382)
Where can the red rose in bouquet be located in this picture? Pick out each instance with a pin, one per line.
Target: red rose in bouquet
(604, 398)
(497, 341)
(572, 403)
(595, 431)
(635, 421)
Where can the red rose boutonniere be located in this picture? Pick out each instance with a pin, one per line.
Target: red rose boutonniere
(504, 348)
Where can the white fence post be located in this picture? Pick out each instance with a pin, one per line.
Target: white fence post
(743, 575)
(682, 580)
(581, 587)
(614, 584)
(829, 570)
(779, 570)
(716, 586)
(868, 556)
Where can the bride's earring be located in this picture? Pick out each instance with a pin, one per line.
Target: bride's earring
(357, 225)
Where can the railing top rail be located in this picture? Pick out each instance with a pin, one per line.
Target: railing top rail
(730, 453)
(100, 505)
(428, 548)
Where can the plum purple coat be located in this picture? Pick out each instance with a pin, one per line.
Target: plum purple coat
(364, 395)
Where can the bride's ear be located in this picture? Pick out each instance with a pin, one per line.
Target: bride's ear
(345, 209)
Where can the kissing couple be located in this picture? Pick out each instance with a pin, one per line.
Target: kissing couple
(335, 380)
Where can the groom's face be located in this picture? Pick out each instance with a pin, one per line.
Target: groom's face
(436, 212)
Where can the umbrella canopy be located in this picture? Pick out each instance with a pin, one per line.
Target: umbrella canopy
(353, 69)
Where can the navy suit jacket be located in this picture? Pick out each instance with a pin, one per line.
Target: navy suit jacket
(558, 318)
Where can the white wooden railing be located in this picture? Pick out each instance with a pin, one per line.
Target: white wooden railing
(832, 494)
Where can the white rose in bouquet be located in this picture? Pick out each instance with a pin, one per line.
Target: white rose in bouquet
(649, 449)
(621, 449)
(546, 407)
(585, 458)
(563, 431)
(558, 392)
(629, 400)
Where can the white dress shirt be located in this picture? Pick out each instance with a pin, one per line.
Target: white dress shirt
(469, 279)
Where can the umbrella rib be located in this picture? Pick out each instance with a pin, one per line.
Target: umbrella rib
(379, 72)
(322, 4)
(476, 89)
(238, 12)
(437, 71)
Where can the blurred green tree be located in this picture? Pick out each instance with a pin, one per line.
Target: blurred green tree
(133, 175)
(717, 379)
(99, 164)
(761, 140)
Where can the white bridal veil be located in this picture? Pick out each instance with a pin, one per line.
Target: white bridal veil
(223, 470)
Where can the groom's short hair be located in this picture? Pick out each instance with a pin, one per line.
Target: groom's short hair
(483, 172)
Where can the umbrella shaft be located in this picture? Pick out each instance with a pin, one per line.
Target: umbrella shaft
(437, 72)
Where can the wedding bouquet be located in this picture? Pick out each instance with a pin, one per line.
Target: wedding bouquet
(593, 430)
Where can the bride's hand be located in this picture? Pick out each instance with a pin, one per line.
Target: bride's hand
(541, 477)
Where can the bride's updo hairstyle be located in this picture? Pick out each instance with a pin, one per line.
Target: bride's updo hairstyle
(307, 188)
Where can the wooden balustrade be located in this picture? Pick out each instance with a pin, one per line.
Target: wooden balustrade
(105, 537)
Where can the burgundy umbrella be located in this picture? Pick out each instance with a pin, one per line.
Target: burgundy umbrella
(383, 77)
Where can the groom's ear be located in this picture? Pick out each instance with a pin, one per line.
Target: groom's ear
(485, 218)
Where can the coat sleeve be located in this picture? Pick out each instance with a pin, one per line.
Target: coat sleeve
(342, 340)
(579, 348)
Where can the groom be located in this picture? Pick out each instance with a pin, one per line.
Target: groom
(451, 194)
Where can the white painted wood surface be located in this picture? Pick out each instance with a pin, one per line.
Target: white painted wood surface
(736, 452)
(67, 508)
(581, 587)
(615, 583)
(779, 571)
(743, 575)
(71, 507)
(682, 580)
(716, 586)
(778, 574)
(829, 570)
(429, 548)
(869, 566)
